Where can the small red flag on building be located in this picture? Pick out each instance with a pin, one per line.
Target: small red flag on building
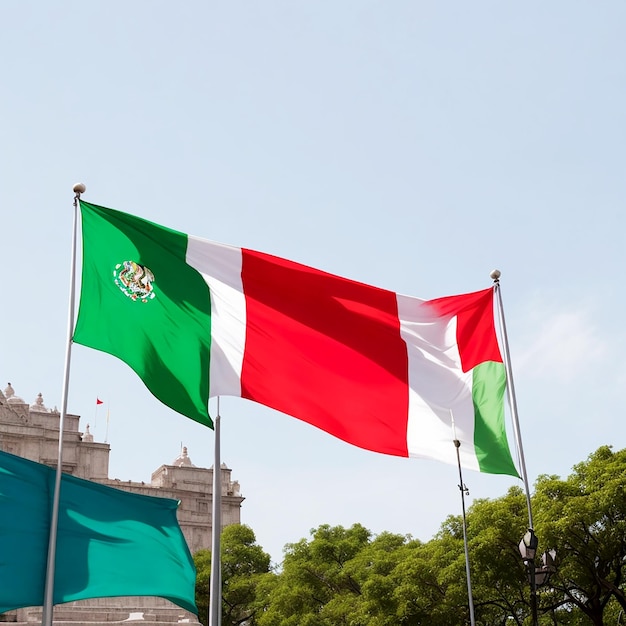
(98, 401)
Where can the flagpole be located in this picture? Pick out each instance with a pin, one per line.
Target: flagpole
(464, 492)
(215, 591)
(495, 276)
(46, 620)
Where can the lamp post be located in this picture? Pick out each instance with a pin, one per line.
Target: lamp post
(537, 576)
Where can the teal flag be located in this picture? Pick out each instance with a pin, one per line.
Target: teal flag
(110, 542)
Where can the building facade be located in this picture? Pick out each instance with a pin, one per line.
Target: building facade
(32, 432)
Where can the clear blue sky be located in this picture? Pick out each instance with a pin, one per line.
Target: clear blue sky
(412, 145)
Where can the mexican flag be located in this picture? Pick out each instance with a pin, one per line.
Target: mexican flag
(385, 372)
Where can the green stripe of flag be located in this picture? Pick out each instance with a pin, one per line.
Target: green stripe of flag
(490, 441)
(154, 315)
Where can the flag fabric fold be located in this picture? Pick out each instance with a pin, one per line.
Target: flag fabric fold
(385, 372)
(110, 543)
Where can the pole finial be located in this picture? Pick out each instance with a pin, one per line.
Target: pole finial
(79, 188)
(495, 275)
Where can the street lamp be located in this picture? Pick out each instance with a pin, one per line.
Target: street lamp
(548, 567)
(537, 576)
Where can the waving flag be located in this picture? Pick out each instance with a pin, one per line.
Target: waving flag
(382, 371)
(110, 543)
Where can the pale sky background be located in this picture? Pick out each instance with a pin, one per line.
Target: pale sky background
(413, 145)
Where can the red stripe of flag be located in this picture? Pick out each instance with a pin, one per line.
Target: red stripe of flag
(326, 350)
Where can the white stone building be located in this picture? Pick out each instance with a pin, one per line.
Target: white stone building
(32, 432)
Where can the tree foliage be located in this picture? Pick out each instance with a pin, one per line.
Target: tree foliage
(317, 585)
(349, 577)
(584, 517)
(244, 563)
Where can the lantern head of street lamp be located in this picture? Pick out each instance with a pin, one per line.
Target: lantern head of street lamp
(528, 546)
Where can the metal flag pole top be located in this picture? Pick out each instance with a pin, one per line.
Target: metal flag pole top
(215, 591)
(46, 620)
(495, 276)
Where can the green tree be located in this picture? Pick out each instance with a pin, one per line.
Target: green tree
(373, 568)
(244, 564)
(348, 577)
(202, 561)
(422, 582)
(500, 587)
(317, 586)
(584, 518)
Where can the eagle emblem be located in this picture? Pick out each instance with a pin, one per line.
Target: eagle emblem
(134, 280)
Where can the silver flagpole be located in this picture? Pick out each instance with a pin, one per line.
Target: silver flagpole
(464, 491)
(495, 276)
(46, 620)
(215, 592)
